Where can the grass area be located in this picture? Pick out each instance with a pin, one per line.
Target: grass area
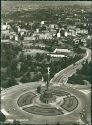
(26, 99)
(43, 111)
(70, 103)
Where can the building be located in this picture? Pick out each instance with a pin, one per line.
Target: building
(37, 30)
(5, 26)
(54, 55)
(58, 35)
(83, 40)
(61, 51)
(23, 31)
(46, 35)
(16, 38)
(53, 26)
(81, 31)
(29, 38)
(42, 22)
(66, 33)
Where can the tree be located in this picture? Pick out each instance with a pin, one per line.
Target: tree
(37, 57)
(25, 78)
(48, 58)
(13, 67)
(58, 123)
(39, 89)
(84, 69)
(15, 122)
(2, 117)
(12, 81)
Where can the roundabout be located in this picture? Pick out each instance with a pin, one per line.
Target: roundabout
(23, 103)
(56, 103)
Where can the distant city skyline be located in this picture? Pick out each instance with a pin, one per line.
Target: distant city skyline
(44, 3)
(10, 5)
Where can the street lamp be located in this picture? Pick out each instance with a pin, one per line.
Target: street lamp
(83, 116)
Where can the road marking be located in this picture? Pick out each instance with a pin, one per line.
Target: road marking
(2, 97)
(85, 91)
(3, 92)
(25, 106)
(80, 121)
(4, 112)
(56, 84)
(10, 120)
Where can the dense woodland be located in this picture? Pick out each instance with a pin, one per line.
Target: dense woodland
(83, 76)
(16, 66)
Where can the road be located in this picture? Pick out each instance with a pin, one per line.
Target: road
(62, 76)
(12, 111)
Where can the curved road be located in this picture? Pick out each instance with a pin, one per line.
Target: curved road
(62, 76)
(12, 111)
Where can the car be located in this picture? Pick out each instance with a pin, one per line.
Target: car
(14, 109)
(24, 89)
